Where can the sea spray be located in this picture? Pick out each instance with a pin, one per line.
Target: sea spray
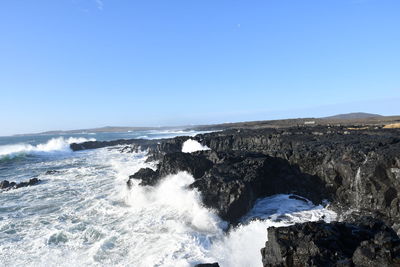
(59, 144)
(84, 215)
(191, 145)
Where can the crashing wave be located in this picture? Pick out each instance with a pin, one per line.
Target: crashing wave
(53, 145)
(191, 145)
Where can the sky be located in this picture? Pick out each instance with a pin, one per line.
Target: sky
(72, 64)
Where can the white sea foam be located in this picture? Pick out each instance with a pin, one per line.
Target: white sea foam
(186, 233)
(54, 144)
(191, 145)
(86, 216)
(241, 247)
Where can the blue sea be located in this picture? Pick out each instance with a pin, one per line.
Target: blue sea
(83, 214)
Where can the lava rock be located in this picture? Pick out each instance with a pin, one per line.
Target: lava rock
(6, 185)
(147, 177)
(355, 171)
(196, 164)
(233, 185)
(359, 170)
(368, 242)
(173, 163)
(230, 182)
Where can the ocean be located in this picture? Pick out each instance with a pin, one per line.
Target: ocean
(83, 214)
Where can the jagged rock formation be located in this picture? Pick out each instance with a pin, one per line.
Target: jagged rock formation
(354, 169)
(360, 169)
(156, 147)
(367, 242)
(6, 185)
(230, 182)
(172, 163)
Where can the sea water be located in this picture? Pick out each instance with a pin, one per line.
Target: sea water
(83, 214)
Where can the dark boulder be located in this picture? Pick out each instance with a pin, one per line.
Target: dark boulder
(215, 264)
(147, 177)
(368, 242)
(196, 164)
(6, 185)
(172, 163)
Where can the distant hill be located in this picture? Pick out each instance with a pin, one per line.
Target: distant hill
(352, 116)
(359, 118)
(107, 129)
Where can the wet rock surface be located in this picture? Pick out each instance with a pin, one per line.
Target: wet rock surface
(230, 182)
(353, 169)
(156, 147)
(367, 242)
(356, 170)
(6, 185)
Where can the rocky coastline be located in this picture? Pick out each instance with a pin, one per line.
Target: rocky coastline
(356, 170)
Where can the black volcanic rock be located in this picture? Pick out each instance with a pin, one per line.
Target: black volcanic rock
(368, 242)
(195, 164)
(354, 169)
(99, 144)
(360, 169)
(238, 179)
(230, 182)
(147, 177)
(6, 185)
(156, 147)
(172, 163)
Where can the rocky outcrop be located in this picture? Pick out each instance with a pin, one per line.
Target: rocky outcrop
(171, 164)
(6, 185)
(215, 264)
(129, 143)
(156, 147)
(367, 242)
(230, 182)
(354, 169)
(360, 169)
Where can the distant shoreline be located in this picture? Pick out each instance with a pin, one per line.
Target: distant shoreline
(358, 118)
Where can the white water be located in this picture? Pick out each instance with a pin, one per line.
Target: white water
(55, 144)
(191, 145)
(86, 216)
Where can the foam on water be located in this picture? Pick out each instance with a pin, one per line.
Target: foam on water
(53, 145)
(241, 247)
(84, 215)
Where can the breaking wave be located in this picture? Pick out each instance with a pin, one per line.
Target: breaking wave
(191, 145)
(53, 145)
(187, 233)
(88, 217)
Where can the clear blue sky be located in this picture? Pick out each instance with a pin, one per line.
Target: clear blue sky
(70, 64)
